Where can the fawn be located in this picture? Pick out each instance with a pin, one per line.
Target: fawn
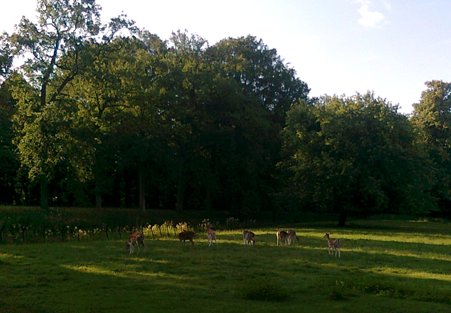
(334, 245)
(211, 235)
(136, 239)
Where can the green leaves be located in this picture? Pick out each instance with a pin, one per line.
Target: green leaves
(260, 71)
(432, 119)
(51, 49)
(353, 154)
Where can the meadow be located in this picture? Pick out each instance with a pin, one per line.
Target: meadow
(386, 266)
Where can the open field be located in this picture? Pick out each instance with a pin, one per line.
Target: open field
(386, 266)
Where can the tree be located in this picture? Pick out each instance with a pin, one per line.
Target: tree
(353, 156)
(185, 89)
(62, 29)
(264, 88)
(141, 118)
(118, 105)
(260, 71)
(432, 118)
(8, 159)
(54, 49)
(6, 58)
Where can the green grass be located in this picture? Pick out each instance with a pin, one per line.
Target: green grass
(386, 266)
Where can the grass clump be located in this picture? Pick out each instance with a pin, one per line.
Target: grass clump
(264, 290)
(386, 290)
(337, 295)
(338, 292)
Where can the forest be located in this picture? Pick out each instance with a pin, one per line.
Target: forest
(110, 115)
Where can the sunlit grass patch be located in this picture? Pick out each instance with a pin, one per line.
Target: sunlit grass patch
(92, 269)
(405, 272)
(9, 257)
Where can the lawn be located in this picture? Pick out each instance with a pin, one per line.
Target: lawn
(386, 266)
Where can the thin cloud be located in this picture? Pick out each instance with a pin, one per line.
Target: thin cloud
(370, 18)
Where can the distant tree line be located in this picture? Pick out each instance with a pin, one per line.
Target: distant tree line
(112, 115)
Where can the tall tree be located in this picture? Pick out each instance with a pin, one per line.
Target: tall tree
(49, 135)
(260, 71)
(265, 88)
(186, 85)
(8, 158)
(432, 117)
(353, 156)
(62, 28)
(117, 103)
(142, 118)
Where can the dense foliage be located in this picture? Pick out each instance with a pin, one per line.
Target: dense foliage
(432, 118)
(111, 115)
(345, 154)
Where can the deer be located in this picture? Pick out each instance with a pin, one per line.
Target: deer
(187, 235)
(248, 237)
(211, 235)
(333, 244)
(136, 239)
(281, 237)
(291, 237)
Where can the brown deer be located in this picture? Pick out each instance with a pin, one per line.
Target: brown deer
(136, 239)
(281, 237)
(187, 235)
(211, 235)
(248, 237)
(291, 237)
(333, 244)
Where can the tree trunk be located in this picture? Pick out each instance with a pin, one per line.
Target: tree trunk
(98, 200)
(342, 219)
(207, 202)
(44, 192)
(142, 194)
(180, 193)
(98, 188)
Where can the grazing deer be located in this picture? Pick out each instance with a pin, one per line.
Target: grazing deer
(136, 239)
(291, 237)
(248, 237)
(211, 235)
(334, 245)
(187, 235)
(281, 237)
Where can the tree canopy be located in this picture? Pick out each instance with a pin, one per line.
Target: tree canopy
(352, 155)
(432, 117)
(112, 115)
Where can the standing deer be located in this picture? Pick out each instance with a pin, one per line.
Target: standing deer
(281, 237)
(248, 237)
(334, 245)
(187, 235)
(291, 237)
(211, 235)
(135, 239)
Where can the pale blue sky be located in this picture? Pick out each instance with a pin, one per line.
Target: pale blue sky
(337, 47)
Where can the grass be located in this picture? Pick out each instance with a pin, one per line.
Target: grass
(386, 266)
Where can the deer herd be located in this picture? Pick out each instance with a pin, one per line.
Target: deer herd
(283, 237)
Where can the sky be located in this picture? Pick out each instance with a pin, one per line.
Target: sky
(338, 47)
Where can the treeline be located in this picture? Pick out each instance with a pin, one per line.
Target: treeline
(111, 115)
